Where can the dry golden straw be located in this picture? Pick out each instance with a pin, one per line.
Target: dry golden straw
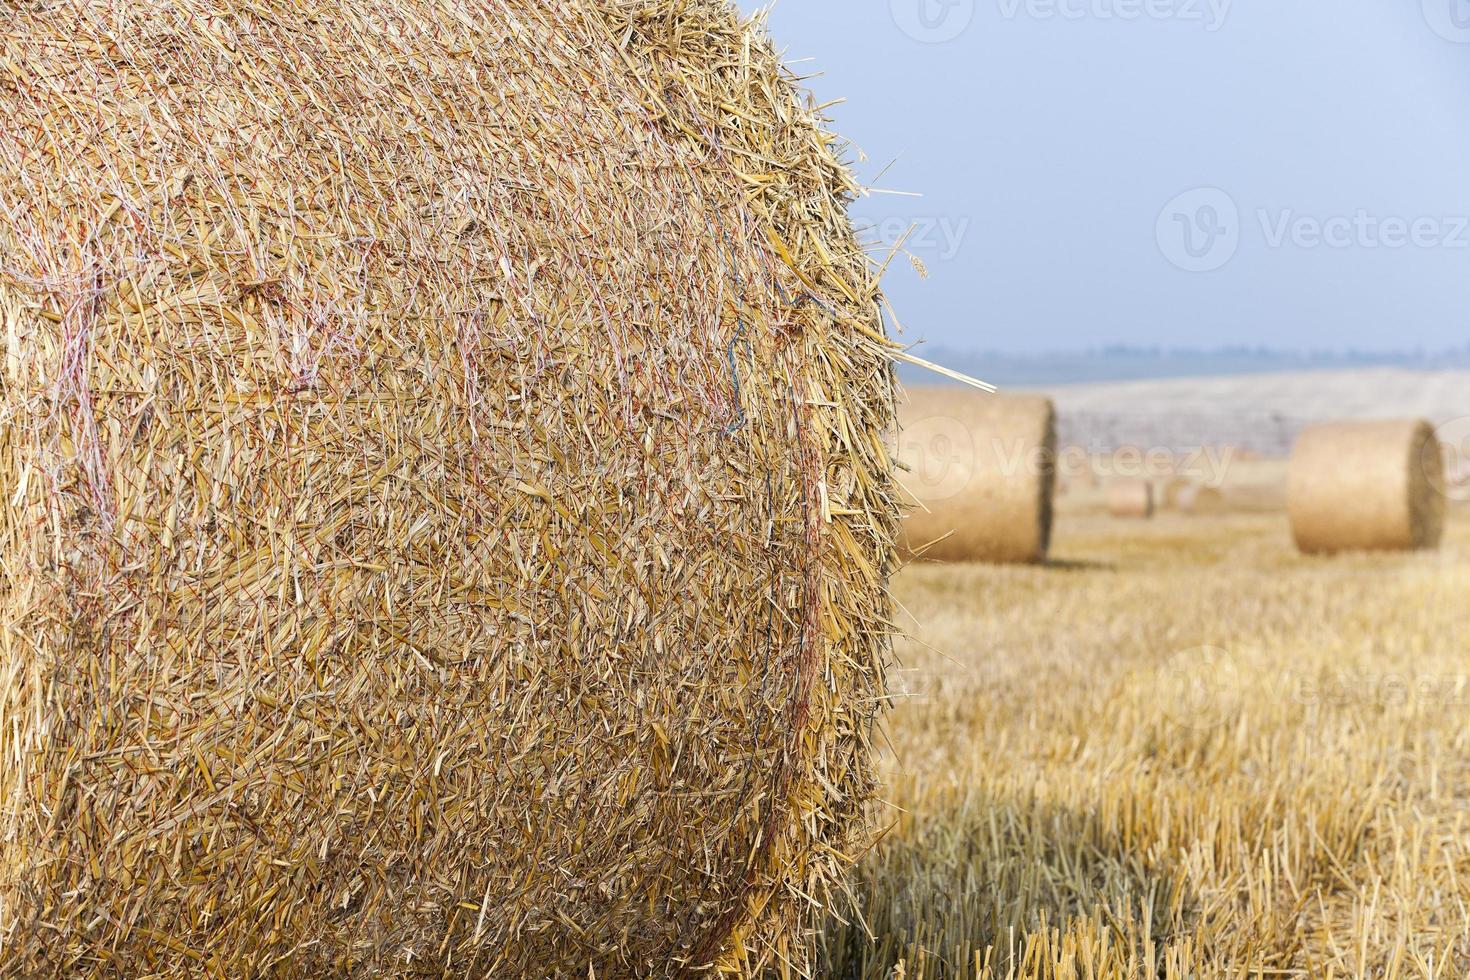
(1367, 486)
(983, 470)
(1132, 499)
(449, 517)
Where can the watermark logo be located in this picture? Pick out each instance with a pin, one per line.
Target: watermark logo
(1450, 19)
(1199, 689)
(932, 21)
(1450, 474)
(940, 453)
(1199, 231)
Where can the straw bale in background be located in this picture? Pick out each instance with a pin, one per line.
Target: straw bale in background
(1367, 486)
(1131, 499)
(1202, 501)
(983, 469)
(1171, 491)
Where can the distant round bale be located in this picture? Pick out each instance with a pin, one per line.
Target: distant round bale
(1132, 499)
(1198, 500)
(983, 470)
(448, 500)
(1367, 486)
(1171, 491)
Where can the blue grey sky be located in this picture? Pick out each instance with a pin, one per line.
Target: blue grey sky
(1184, 173)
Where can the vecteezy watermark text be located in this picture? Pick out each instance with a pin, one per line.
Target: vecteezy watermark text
(1211, 14)
(944, 456)
(932, 238)
(1362, 229)
(1385, 690)
(941, 21)
(1201, 230)
(1203, 687)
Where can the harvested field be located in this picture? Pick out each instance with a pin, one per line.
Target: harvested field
(1181, 750)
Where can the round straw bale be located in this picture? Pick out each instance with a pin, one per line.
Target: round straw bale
(1367, 486)
(1131, 499)
(449, 506)
(1171, 491)
(1202, 501)
(983, 470)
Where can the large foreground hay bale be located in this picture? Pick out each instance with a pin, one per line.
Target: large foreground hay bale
(1132, 499)
(1367, 486)
(983, 470)
(448, 516)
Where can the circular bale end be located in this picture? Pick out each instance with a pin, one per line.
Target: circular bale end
(1367, 486)
(449, 509)
(982, 470)
(1132, 499)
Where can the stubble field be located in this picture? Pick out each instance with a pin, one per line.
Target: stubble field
(1181, 750)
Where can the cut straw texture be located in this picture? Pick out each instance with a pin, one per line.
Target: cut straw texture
(448, 512)
(1132, 499)
(1367, 486)
(982, 469)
